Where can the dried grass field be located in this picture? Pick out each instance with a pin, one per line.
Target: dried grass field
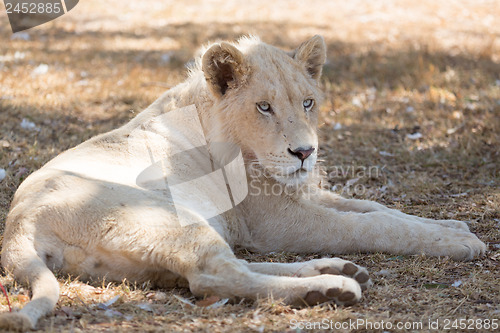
(412, 94)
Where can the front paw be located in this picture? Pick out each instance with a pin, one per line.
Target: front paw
(458, 245)
(453, 224)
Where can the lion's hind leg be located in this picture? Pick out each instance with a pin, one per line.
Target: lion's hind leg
(216, 271)
(200, 255)
(332, 266)
(230, 277)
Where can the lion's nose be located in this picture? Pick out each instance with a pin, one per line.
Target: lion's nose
(301, 153)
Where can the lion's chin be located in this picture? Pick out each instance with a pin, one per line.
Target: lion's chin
(293, 179)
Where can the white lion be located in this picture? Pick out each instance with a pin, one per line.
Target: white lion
(84, 214)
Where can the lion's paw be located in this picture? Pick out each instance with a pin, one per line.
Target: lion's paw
(454, 224)
(339, 289)
(458, 245)
(336, 266)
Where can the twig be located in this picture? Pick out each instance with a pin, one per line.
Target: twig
(6, 296)
(459, 305)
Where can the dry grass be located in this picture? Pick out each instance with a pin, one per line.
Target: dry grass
(395, 68)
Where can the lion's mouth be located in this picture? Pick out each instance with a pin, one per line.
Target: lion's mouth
(298, 172)
(283, 174)
(294, 177)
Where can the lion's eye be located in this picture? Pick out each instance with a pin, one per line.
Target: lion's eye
(308, 104)
(264, 107)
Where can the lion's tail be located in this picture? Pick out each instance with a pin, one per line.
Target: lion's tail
(20, 257)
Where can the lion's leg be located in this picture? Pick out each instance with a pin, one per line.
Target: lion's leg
(365, 206)
(225, 276)
(332, 266)
(311, 227)
(205, 260)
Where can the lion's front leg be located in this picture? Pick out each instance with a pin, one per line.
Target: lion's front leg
(331, 200)
(308, 226)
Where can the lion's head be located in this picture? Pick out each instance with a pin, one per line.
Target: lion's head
(268, 102)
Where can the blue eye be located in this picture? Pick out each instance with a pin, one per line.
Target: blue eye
(264, 107)
(308, 104)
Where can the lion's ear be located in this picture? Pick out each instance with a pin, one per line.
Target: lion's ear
(224, 68)
(312, 54)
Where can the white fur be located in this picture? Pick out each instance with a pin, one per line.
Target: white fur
(84, 213)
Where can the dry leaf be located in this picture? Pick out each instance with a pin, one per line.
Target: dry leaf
(208, 301)
(23, 298)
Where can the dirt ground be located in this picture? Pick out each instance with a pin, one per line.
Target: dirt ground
(412, 95)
